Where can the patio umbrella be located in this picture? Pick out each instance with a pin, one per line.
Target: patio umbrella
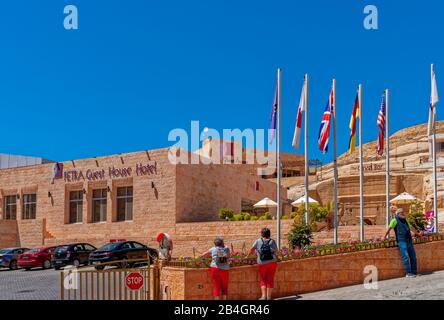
(302, 200)
(265, 203)
(403, 198)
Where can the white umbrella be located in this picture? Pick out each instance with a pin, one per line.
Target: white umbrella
(265, 203)
(403, 198)
(302, 200)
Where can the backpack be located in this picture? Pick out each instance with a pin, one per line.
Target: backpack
(221, 256)
(265, 252)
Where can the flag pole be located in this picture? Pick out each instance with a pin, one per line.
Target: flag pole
(278, 167)
(307, 203)
(335, 169)
(361, 168)
(435, 177)
(387, 159)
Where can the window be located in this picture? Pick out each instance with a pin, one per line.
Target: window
(126, 246)
(10, 207)
(75, 206)
(99, 205)
(29, 206)
(138, 245)
(124, 203)
(89, 247)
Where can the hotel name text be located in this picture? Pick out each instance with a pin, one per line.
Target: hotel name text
(111, 173)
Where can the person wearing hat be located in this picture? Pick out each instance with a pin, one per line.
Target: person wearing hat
(403, 233)
(165, 246)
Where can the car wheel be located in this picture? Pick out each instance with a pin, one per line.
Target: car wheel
(57, 268)
(76, 263)
(46, 264)
(99, 268)
(27, 269)
(13, 265)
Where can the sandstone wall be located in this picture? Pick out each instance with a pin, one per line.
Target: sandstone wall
(204, 189)
(303, 275)
(8, 234)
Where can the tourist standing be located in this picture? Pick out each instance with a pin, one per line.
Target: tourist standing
(219, 268)
(165, 246)
(403, 232)
(266, 249)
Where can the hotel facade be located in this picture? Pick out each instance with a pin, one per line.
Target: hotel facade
(128, 196)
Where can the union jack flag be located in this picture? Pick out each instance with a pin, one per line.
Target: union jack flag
(324, 130)
(381, 125)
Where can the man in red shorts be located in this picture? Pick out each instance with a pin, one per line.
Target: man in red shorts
(266, 249)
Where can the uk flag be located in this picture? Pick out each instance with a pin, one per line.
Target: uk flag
(324, 130)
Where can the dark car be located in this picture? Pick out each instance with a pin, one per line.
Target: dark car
(36, 258)
(74, 254)
(122, 251)
(9, 257)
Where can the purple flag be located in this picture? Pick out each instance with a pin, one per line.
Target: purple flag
(274, 116)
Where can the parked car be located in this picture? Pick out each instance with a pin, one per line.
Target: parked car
(36, 258)
(75, 254)
(121, 251)
(9, 257)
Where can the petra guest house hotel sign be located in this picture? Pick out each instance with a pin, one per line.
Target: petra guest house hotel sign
(102, 174)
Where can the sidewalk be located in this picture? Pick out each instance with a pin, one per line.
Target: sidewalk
(424, 287)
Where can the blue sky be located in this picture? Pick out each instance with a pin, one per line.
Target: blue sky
(137, 69)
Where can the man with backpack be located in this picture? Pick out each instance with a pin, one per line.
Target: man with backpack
(266, 249)
(219, 267)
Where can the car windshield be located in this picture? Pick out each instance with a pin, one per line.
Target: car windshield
(5, 251)
(61, 249)
(110, 246)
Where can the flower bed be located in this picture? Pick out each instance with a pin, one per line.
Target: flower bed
(239, 259)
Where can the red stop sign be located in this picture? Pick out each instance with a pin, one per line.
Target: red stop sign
(134, 281)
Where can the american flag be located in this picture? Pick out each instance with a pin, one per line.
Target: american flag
(324, 130)
(381, 125)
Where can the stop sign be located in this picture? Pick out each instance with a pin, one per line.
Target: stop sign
(134, 281)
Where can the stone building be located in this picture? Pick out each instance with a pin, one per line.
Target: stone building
(127, 196)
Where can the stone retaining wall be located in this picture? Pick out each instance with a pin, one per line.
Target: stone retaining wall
(302, 275)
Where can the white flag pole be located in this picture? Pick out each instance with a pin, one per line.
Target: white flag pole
(361, 168)
(335, 169)
(435, 177)
(278, 166)
(387, 159)
(306, 150)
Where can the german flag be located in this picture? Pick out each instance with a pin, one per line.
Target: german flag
(353, 119)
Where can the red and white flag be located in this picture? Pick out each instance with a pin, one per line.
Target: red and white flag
(301, 108)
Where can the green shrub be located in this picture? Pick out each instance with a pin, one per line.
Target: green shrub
(247, 216)
(300, 235)
(416, 217)
(254, 218)
(226, 213)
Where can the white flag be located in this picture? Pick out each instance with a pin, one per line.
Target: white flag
(433, 101)
(301, 108)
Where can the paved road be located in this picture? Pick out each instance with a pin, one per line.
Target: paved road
(35, 284)
(424, 287)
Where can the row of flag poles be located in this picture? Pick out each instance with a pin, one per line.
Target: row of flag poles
(329, 120)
